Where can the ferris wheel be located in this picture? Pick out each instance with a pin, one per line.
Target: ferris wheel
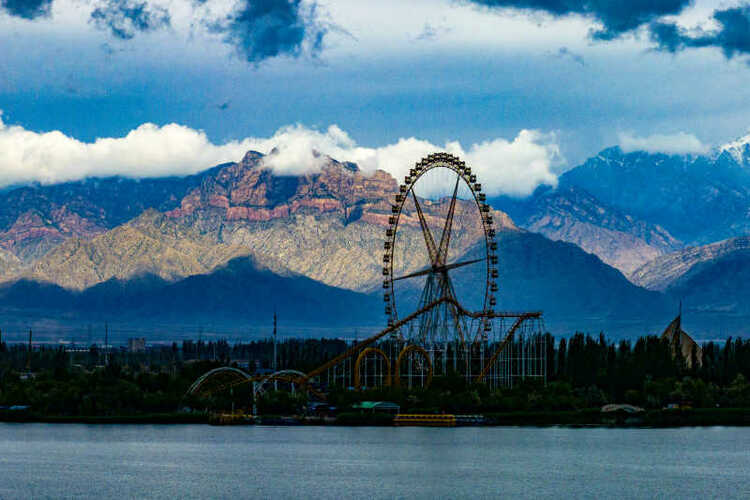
(466, 244)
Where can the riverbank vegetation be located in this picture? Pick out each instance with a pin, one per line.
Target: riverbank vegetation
(584, 373)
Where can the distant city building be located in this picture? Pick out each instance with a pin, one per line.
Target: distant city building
(137, 344)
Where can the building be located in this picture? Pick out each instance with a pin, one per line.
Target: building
(683, 343)
(136, 344)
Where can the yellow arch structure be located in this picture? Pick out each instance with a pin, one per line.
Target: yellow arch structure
(362, 356)
(406, 350)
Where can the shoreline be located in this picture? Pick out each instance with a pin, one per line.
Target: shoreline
(698, 417)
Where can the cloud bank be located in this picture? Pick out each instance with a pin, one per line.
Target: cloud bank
(26, 9)
(257, 29)
(125, 18)
(674, 144)
(262, 29)
(732, 35)
(617, 17)
(657, 18)
(514, 167)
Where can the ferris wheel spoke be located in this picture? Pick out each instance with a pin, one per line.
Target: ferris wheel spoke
(428, 270)
(445, 238)
(428, 239)
(423, 272)
(456, 265)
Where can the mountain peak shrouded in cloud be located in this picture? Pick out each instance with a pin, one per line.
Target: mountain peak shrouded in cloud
(672, 144)
(514, 167)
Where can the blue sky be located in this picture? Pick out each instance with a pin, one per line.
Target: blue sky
(581, 75)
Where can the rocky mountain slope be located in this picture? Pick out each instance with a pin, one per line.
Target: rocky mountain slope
(575, 289)
(718, 288)
(663, 272)
(573, 215)
(151, 244)
(697, 199)
(326, 228)
(35, 219)
(631, 208)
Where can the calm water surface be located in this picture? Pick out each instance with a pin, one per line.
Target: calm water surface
(195, 461)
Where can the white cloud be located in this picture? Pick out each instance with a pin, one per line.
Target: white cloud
(514, 167)
(503, 166)
(679, 143)
(147, 151)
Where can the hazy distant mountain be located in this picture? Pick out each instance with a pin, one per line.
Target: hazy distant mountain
(697, 199)
(239, 293)
(719, 287)
(575, 289)
(573, 215)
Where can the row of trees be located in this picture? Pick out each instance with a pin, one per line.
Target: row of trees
(583, 371)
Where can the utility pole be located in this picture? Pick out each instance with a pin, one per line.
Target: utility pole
(200, 339)
(275, 367)
(106, 344)
(28, 358)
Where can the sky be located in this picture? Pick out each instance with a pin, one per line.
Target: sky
(523, 89)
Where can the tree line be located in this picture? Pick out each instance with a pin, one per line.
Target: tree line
(583, 371)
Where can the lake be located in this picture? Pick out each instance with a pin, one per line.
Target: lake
(199, 461)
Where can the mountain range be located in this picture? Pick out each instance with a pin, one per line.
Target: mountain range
(228, 245)
(569, 213)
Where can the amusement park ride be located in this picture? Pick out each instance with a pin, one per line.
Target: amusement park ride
(429, 333)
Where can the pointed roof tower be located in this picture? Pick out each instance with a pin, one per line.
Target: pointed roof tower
(679, 339)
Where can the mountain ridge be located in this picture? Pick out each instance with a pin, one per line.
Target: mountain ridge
(663, 271)
(573, 215)
(327, 227)
(697, 199)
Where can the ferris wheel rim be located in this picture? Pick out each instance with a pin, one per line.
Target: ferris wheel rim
(432, 162)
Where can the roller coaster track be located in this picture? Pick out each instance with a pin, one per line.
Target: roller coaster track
(520, 318)
(259, 382)
(367, 342)
(293, 376)
(508, 338)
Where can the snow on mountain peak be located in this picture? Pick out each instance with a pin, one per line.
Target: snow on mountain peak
(739, 149)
